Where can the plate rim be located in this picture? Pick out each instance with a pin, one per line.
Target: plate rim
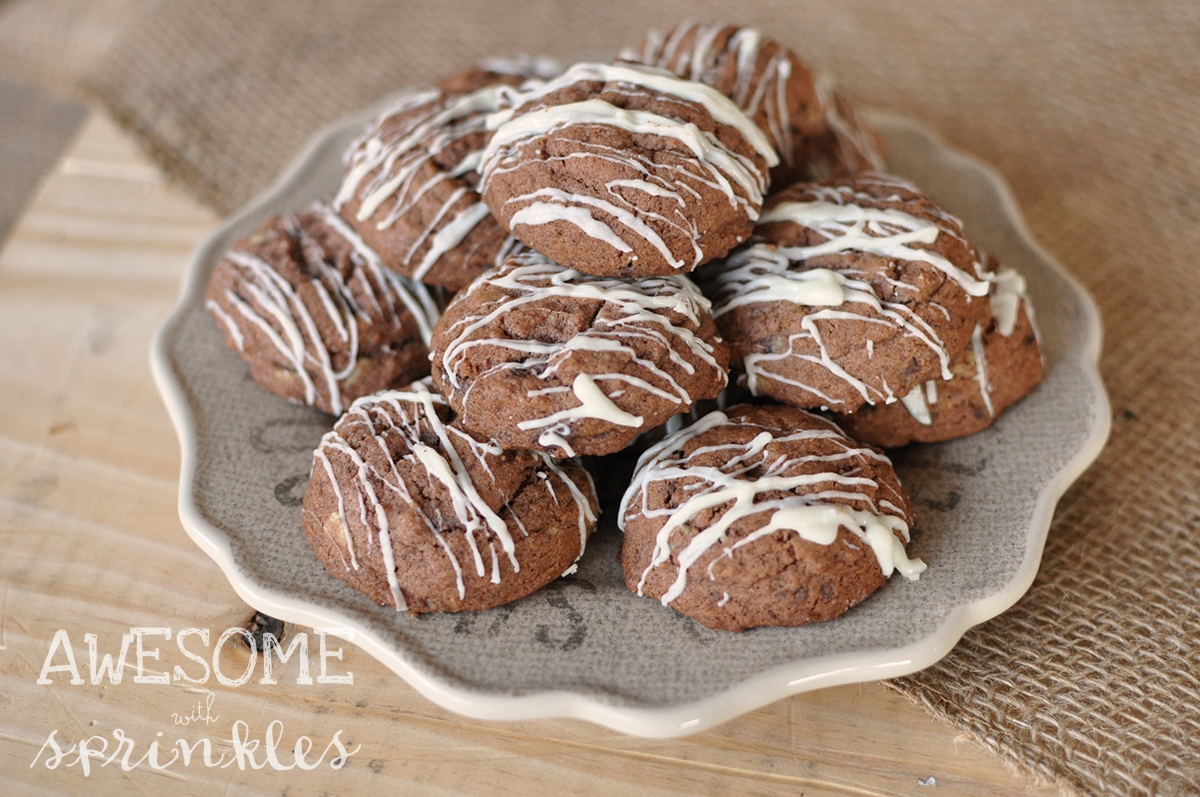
(652, 722)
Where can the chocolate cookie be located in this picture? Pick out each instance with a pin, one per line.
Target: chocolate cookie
(763, 516)
(626, 171)
(419, 514)
(410, 184)
(853, 292)
(514, 71)
(849, 145)
(1000, 367)
(316, 315)
(544, 357)
(766, 80)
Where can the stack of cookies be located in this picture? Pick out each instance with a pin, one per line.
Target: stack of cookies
(524, 266)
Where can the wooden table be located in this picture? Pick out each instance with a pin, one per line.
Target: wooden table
(90, 543)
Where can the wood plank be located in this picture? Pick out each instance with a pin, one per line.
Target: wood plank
(92, 544)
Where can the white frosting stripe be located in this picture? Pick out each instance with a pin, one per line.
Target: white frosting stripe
(539, 213)
(593, 404)
(1008, 291)
(231, 326)
(981, 376)
(452, 233)
(707, 149)
(856, 143)
(914, 402)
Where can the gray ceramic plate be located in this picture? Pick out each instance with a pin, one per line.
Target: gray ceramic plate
(585, 646)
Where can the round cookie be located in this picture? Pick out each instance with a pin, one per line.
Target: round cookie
(410, 183)
(621, 170)
(766, 80)
(316, 315)
(852, 292)
(763, 516)
(544, 357)
(1011, 359)
(414, 511)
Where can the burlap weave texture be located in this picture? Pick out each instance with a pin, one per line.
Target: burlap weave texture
(1090, 110)
(34, 130)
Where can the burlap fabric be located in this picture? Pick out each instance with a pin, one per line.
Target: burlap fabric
(35, 127)
(1091, 111)
(57, 43)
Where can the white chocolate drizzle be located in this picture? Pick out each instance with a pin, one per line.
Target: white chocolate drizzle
(914, 402)
(814, 505)
(593, 403)
(720, 107)
(762, 272)
(766, 96)
(850, 227)
(370, 294)
(1008, 292)
(641, 321)
(857, 148)
(920, 400)
(981, 377)
(415, 296)
(617, 214)
(395, 162)
(556, 205)
(403, 421)
(1008, 296)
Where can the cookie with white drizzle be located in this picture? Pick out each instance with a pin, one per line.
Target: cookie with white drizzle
(410, 183)
(850, 145)
(417, 513)
(769, 82)
(1002, 365)
(315, 313)
(763, 516)
(544, 357)
(623, 170)
(852, 292)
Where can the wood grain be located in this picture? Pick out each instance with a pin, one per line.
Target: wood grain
(92, 544)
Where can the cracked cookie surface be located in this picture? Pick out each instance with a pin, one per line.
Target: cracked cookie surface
(544, 357)
(418, 513)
